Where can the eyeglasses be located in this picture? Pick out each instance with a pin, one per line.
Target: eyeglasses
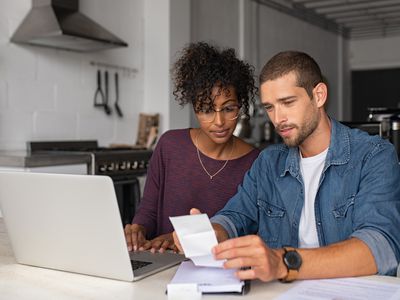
(230, 112)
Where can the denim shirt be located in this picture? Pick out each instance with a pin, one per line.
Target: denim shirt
(358, 196)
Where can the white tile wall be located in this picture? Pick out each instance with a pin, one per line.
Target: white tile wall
(30, 95)
(16, 127)
(3, 95)
(44, 123)
(48, 94)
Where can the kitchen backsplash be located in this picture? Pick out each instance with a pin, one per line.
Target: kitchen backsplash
(47, 94)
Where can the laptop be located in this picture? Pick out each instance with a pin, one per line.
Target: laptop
(72, 223)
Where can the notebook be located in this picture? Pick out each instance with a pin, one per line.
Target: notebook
(72, 223)
(209, 280)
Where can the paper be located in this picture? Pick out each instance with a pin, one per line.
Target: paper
(207, 279)
(197, 237)
(346, 288)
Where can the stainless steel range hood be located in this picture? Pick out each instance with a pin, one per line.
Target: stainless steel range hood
(59, 24)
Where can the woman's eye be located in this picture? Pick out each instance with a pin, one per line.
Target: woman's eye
(229, 108)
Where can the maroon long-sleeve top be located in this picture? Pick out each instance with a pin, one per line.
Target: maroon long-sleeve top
(176, 182)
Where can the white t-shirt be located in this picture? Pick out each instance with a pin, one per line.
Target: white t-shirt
(311, 170)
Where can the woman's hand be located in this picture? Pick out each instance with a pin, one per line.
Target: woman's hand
(135, 236)
(161, 243)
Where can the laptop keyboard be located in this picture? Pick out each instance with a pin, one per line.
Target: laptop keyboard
(137, 264)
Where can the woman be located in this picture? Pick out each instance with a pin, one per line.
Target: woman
(197, 167)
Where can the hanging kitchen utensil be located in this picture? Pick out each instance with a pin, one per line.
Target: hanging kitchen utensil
(116, 105)
(107, 108)
(99, 95)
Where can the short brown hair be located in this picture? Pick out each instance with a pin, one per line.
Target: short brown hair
(305, 67)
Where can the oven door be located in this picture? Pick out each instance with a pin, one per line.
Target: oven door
(127, 189)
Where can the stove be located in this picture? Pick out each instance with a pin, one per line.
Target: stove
(122, 164)
(114, 161)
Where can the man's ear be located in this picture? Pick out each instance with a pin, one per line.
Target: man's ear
(320, 93)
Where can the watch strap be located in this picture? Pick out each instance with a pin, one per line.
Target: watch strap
(292, 274)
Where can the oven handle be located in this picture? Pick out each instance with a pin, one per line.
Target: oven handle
(125, 181)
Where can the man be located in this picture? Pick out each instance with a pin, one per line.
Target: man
(324, 204)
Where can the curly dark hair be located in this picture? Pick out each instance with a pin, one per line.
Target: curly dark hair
(202, 66)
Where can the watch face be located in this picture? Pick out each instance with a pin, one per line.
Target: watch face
(292, 260)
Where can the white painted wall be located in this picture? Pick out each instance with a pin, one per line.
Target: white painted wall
(216, 22)
(180, 36)
(377, 53)
(166, 32)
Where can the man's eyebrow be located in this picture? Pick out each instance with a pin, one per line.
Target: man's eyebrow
(280, 100)
(286, 98)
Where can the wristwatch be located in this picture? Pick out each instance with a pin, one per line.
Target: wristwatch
(292, 261)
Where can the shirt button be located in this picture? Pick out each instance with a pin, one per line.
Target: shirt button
(269, 211)
(319, 223)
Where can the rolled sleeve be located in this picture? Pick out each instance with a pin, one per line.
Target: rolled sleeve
(228, 225)
(383, 253)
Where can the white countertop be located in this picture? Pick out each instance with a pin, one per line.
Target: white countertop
(25, 282)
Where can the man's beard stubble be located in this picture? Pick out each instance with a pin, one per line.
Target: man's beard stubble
(304, 131)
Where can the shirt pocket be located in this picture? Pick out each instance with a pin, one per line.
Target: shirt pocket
(270, 223)
(344, 209)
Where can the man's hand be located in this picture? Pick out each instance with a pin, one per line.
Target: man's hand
(135, 236)
(250, 251)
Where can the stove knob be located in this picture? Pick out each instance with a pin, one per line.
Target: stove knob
(122, 165)
(142, 164)
(128, 165)
(102, 168)
(110, 167)
(134, 165)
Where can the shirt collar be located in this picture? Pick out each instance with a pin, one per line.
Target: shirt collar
(338, 152)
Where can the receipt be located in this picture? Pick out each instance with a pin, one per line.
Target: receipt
(197, 237)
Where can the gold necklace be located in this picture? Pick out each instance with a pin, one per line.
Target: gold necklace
(201, 162)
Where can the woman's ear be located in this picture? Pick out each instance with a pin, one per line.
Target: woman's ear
(320, 93)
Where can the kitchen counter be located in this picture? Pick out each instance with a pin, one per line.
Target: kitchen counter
(25, 159)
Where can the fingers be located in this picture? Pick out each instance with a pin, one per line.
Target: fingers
(135, 236)
(245, 241)
(241, 262)
(246, 274)
(164, 246)
(162, 243)
(146, 245)
(156, 245)
(195, 211)
(128, 236)
(138, 240)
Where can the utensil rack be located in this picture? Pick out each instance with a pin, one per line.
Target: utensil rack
(126, 71)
